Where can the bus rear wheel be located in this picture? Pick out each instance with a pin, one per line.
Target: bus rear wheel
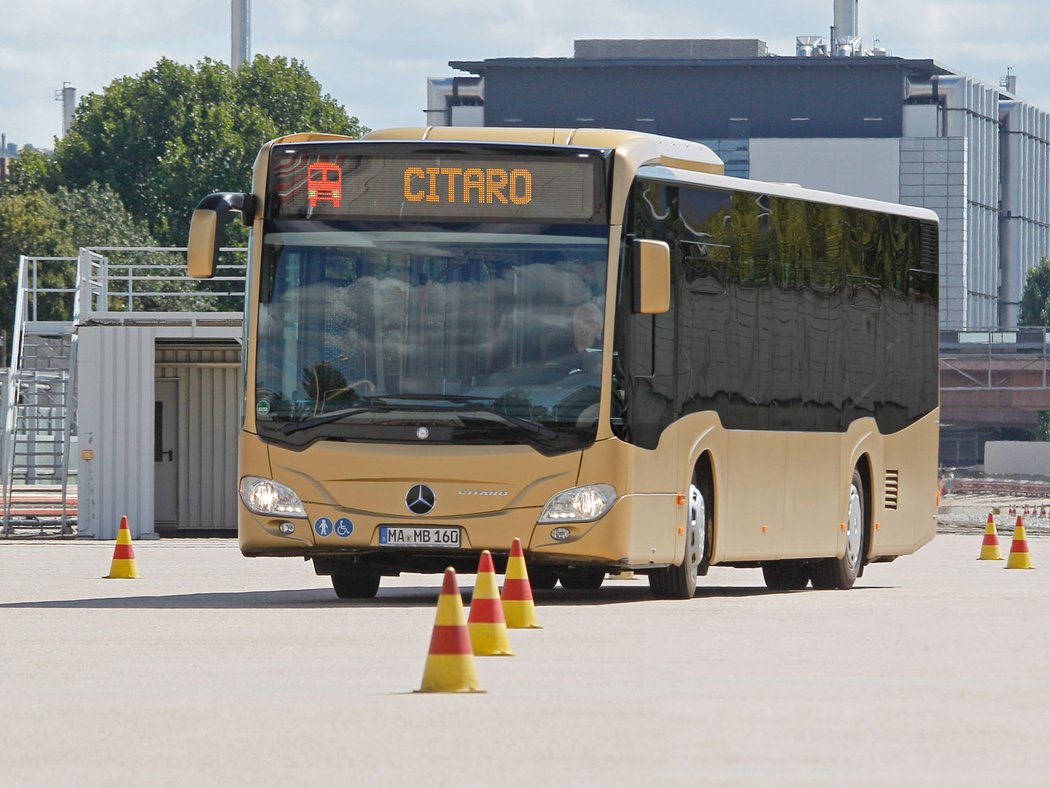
(785, 575)
(355, 586)
(841, 573)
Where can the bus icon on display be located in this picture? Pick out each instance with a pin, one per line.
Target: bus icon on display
(324, 182)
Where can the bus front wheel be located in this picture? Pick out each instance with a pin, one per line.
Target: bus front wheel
(841, 573)
(679, 581)
(542, 579)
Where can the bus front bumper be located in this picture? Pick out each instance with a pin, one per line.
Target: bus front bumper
(356, 539)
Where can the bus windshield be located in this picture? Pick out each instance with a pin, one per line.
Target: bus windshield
(484, 334)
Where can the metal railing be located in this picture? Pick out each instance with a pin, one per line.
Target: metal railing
(55, 293)
(996, 358)
(140, 279)
(8, 415)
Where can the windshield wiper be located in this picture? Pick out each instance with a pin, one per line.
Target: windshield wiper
(334, 415)
(463, 404)
(387, 399)
(466, 402)
(529, 426)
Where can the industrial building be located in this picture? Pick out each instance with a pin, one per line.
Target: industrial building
(838, 117)
(832, 116)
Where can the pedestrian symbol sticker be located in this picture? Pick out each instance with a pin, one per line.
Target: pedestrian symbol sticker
(343, 527)
(323, 526)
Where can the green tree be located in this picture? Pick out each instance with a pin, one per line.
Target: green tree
(36, 223)
(31, 170)
(30, 224)
(167, 137)
(1035, 300)
(95, 216)
(1035, 311)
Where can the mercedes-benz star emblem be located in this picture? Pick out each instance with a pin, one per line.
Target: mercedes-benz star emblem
(422, 433)
(420, 499)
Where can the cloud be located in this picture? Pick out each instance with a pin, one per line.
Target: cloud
(375, 58)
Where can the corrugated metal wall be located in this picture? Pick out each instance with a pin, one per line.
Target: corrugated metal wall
(116, 371)
(115, 423)
(208, 422)
(1025, 216)
(980, 125)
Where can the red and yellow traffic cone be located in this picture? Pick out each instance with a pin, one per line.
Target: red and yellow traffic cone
(450, 661)
(990, 548)
(123, 565)
(518, 608)
(488, 627)
(1019, 558)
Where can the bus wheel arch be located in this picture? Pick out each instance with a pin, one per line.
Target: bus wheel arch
(704, 481)
(678, 581)
(840, 572)
(867, 477)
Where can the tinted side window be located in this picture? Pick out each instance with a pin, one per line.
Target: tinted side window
(789, 315)
(645, 345)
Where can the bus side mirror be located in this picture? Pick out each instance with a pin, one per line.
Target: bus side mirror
(652, 277)
(206, 229)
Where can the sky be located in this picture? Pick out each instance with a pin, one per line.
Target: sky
(375, 58)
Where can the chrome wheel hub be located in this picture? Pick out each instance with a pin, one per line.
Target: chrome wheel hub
(854, 526)
(697, 527)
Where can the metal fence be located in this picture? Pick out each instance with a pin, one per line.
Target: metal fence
(995, 358)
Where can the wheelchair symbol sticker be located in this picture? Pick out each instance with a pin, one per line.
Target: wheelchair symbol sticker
(343, 527)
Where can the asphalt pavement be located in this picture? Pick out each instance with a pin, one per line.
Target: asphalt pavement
(216, 669)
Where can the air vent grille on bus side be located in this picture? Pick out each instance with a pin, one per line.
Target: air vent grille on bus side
(929, 242)
(892, 486)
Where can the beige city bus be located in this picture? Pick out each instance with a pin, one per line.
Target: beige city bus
(591, 340)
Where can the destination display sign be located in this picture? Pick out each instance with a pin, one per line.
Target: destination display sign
(382, 182)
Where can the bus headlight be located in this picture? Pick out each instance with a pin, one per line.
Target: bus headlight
(267, 497)
(580, 504)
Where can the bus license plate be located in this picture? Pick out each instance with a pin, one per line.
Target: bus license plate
(395, 536)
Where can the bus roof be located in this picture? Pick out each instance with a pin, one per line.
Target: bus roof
(636, 146)
(660, 156)
(789, 190)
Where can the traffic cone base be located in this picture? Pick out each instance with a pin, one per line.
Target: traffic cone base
(518, 608)
(445, 673)
(990, 547)
(450, 660)
(488, 627)
(123, 565)
(490, 640)
(1019, 557)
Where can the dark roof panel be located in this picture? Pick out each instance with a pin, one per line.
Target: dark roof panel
(703, 99)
